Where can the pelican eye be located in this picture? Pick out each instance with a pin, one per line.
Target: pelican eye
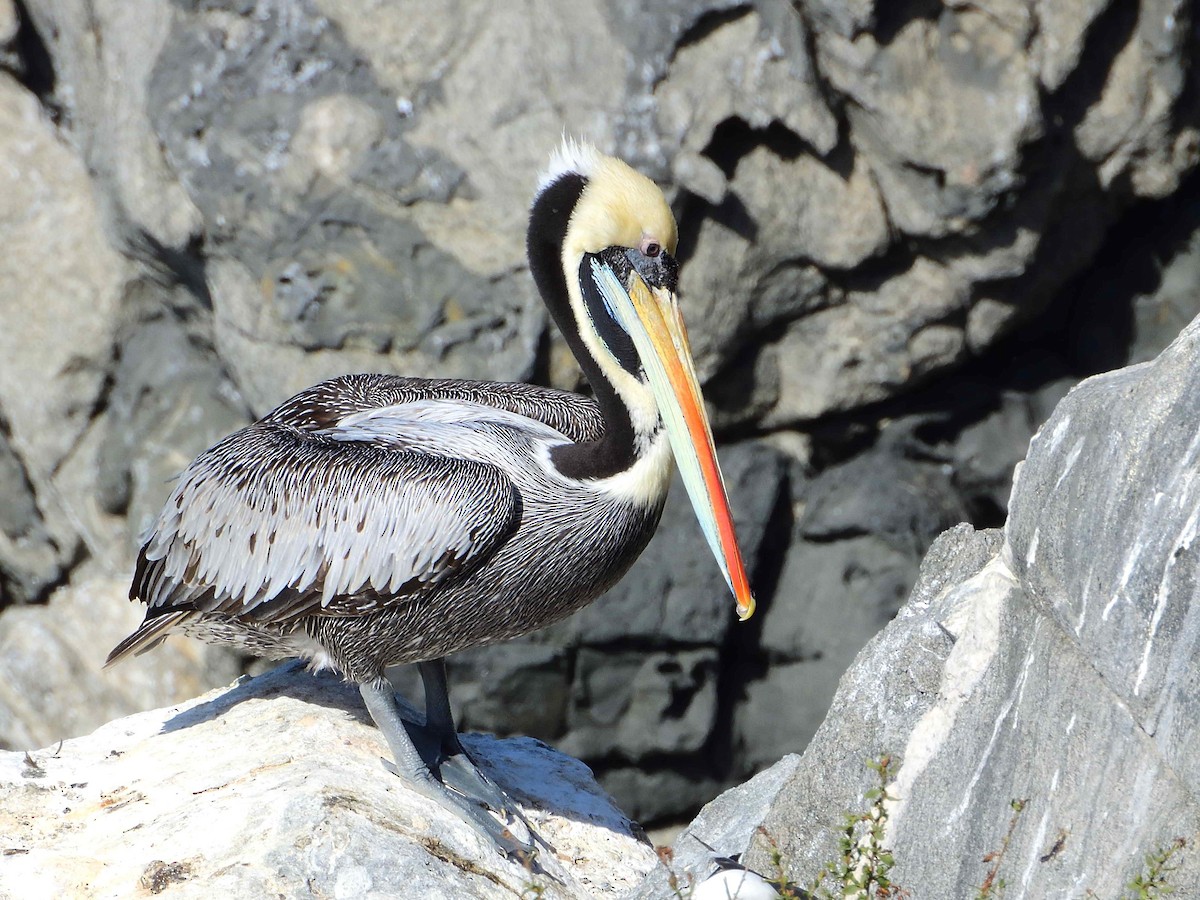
(651, 248)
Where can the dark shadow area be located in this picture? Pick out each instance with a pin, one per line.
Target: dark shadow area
(708, 22)
(36, 64)
(891, 17)
(173, 267)
(735, 138)
(1088, 329)
(690, 211)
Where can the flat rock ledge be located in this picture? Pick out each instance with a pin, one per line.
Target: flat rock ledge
(273, 787)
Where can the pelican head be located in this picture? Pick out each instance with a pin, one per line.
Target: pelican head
(615, 238)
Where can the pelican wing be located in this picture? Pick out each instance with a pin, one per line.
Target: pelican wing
(327, 404)
(275, 522)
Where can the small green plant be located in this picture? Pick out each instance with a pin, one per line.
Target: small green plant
(1151, 882)
(779, 877)
(862, 871)
(992, 887)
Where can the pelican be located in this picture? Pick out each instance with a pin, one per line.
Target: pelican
(377, 520)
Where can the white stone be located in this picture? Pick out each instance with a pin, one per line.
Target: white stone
(274, 787)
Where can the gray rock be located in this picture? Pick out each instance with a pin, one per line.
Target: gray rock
(641, 704)
(61, 281)
(1006, 727)
(1122, 449)
(1056, 675)
(948, 109)
(9, 21)
(99, 61)
(274, 786)
(52, 685)
(765, 77)
(169, 401)
(673, 105)
(60, 289)
(958, 554)
(941, 164)
(30, 561)
(300, 164)
(825, 364)
(665, 790)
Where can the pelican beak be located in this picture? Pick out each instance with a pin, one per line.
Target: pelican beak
(652, 319)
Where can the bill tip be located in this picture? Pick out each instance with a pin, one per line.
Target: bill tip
(746, 610)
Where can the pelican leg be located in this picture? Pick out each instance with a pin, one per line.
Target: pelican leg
(452, 762)
(413, 770)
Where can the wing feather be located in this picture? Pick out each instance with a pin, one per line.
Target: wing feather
(325, 405)
(275, 522)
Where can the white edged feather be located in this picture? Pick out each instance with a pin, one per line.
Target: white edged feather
(573, 156)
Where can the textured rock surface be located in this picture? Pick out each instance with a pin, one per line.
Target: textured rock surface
(884, 208)
(61, 280)
(1102, 533)
(274, 787)
(1049, 663)
(52, 686)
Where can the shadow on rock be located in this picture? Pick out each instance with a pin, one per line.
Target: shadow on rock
(288, 680)
(533, 772)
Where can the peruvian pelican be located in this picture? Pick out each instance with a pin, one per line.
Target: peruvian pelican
(375, 520)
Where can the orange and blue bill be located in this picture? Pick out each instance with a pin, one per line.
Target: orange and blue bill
(652, 319)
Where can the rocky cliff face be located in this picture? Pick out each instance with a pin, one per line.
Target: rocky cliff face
(886, 210)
